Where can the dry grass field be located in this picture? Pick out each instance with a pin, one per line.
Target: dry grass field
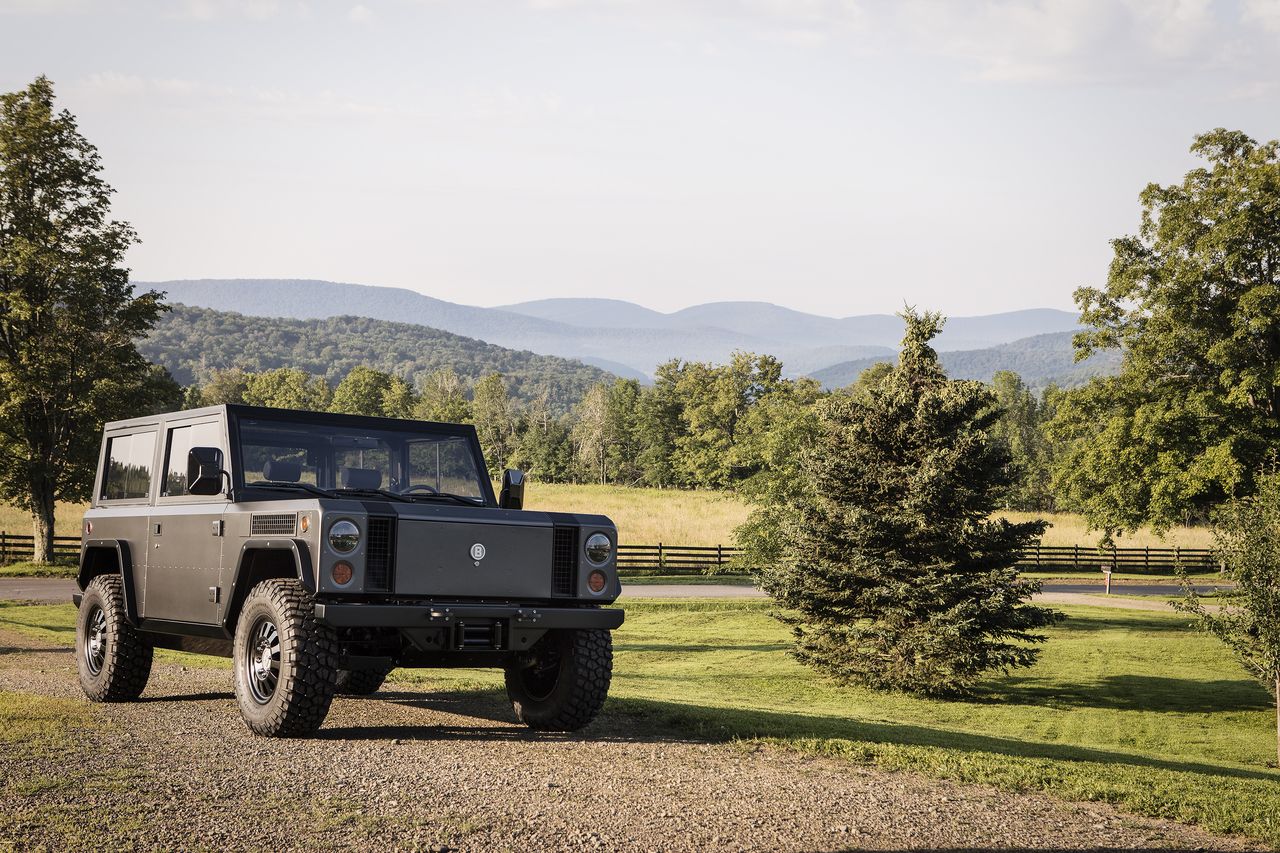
(672, 516)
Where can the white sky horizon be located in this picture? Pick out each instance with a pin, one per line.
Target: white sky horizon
(838, 157)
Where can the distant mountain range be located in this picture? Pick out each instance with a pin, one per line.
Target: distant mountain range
(620, 337)
(1040, 360)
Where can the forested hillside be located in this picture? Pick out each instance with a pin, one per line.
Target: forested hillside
(193, 342)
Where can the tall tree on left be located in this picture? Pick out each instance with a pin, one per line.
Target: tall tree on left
(68, 315)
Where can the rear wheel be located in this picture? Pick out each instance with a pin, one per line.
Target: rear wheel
(113, 659)
(561, 683)
(284, 673)
(361, 682)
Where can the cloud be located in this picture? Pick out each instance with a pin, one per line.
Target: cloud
(360, 14)
(1076, 40)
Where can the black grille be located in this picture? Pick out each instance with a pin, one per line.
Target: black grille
(564, 560)
(273, 524)
(379, 555)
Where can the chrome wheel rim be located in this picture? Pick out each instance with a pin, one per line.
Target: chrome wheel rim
(95, 640)
(260, 661)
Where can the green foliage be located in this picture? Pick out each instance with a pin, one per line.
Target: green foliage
(494, 420)
(716, 399)
(1020, 427)
(659, 423)
(444, 398)
(68, 315)
(1248, 534)
(193, 343)
(365, 391)
(1193, 301)
(287, 388)
(892, 571)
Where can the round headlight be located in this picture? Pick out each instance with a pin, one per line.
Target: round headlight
(598, 548)
(344, 536)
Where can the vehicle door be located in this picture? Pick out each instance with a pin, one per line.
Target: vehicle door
(186, 531)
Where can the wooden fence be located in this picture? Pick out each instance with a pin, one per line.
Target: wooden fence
(664, 559)
(15, 547)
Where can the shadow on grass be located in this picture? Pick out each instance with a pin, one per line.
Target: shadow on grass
(1136, 693)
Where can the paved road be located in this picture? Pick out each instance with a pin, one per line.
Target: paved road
(59, 590)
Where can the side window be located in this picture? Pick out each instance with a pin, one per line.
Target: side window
(181, 440)
(128, 474)
(445, 465)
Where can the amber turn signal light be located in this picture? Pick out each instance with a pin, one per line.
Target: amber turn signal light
(341, 572)
(596, 581)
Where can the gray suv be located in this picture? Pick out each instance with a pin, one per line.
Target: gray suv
(318, 551)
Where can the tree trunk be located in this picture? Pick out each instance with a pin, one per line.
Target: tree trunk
(42, 529)
(1278, 719)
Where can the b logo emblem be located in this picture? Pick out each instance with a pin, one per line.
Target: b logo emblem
(477, 552)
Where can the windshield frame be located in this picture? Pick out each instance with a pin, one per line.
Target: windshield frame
(235, 413)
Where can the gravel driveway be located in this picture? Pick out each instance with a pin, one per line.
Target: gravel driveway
(412, 769)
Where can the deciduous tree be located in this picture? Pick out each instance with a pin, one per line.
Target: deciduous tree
(1247, 533)
(1193, 300)
(68, 315)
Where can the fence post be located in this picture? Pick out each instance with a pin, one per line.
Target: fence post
(661, 563)
(1146, 566)
(4, 547)
(1075, 557)
(719, 555)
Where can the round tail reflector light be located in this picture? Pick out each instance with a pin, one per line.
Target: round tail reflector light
(596, 581)
(342, 572)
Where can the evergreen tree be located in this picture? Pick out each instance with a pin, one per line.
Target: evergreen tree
(893, 575)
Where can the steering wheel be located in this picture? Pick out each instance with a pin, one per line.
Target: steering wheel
(431, 490)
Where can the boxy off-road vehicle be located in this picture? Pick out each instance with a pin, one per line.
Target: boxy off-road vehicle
(319, 551)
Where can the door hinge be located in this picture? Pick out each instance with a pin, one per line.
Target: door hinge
(215, 594)
(217, 527)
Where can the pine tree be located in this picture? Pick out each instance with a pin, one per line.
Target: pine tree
(893, 574)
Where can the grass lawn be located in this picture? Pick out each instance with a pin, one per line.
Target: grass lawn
(38, 570)
(1130, 708)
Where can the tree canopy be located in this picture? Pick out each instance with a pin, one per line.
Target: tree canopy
(1193, 302)
(68, 315)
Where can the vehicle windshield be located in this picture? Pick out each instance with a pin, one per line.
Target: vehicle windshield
(338, 457)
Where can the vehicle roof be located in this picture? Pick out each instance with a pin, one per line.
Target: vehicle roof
(298, 416)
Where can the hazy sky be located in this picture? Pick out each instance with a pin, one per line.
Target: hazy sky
(837, 157)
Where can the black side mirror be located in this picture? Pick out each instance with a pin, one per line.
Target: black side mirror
(204, 471)
(512, 496)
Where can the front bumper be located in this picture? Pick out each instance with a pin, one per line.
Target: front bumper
(352, 615)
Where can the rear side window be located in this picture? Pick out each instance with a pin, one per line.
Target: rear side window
(181, 440)
(128, 474)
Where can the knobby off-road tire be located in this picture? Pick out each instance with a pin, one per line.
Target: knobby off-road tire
(283, 661)
(360, 682)
(114, 660)
(561, 684)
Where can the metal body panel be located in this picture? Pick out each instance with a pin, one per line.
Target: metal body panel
(184, 562)
(476, 557)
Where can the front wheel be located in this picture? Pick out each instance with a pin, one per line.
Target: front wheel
(113, 659)
(561, 683)
(284, 661)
